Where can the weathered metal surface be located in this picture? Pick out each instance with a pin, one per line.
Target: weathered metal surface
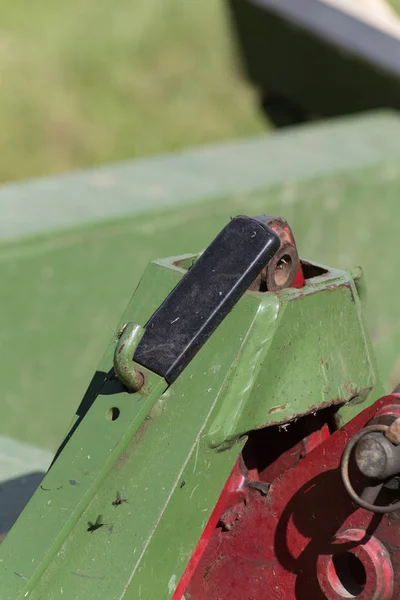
(168, 452)
(364, 570)
(158, 475)
(245, 476)
(297, 346)
(298, 541)
(61, 291)
(283, 268)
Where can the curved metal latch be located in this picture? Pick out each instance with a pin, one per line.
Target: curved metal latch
(130, 336)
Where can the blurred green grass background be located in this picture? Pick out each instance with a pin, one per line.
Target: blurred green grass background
(85, 83)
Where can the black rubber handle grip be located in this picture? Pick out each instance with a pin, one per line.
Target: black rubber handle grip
(205, 295)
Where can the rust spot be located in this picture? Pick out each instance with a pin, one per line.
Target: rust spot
(350, 389)
(180, 264)
(146, 387)
(275, 408)
(136, 439)
(314, 408)
(121, 460)
(122, 346)
(212, 565)
(311, 290)
(333, 286)
(121, 330)
(142, 387)
(185, 263)
(282, 268)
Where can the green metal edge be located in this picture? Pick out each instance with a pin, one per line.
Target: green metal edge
(131, 188)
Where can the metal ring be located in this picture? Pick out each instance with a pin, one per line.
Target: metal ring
(345, 472)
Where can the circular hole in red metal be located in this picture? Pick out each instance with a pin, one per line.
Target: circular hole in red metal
(347, 575)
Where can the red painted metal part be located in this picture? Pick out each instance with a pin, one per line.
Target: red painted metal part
(373, 576)
(305, 539)
(227, 510)
(234, 496)
(299, 280)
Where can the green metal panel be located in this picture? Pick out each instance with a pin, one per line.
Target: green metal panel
(337, 184)
(317, 342)
(87, 197)
(170, 451)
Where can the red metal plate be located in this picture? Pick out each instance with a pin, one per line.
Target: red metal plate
(280, 541)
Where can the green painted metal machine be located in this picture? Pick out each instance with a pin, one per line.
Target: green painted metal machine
(214, 351)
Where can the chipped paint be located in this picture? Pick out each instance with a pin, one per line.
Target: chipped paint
(277, 408)
(172, 584)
